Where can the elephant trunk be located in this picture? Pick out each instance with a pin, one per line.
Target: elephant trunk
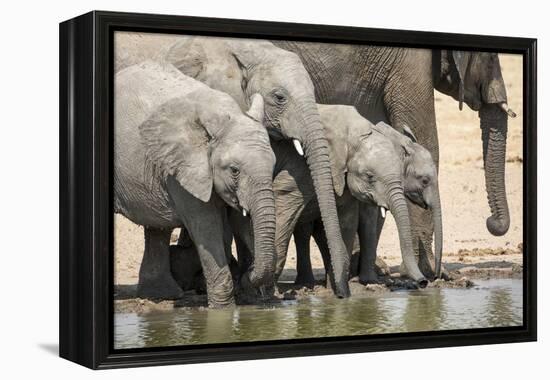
(398, 207)
(262, 212)
(494, 126)
(318, 160)
(438, 232)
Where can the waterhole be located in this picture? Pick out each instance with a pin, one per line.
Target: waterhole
(492, 303)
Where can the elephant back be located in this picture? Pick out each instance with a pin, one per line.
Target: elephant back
(139, 90)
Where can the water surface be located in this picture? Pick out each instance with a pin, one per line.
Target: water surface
(493, 303)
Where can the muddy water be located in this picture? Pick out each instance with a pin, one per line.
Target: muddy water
(491, 303)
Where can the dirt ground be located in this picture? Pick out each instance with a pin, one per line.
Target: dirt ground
(469, 249)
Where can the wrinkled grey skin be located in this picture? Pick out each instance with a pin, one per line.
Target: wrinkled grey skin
(372, 161)
(182, 153)
(396, 85)
(240, 68)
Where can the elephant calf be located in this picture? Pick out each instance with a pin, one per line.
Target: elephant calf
(184, 151)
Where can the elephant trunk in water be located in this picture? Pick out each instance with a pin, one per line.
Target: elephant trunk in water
(398, 207)
(318, 160)
(262, 212)
(494, 126)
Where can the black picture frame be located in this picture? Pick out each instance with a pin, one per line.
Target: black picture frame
(86, 217)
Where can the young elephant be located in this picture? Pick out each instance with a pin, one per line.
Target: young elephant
(373, 159)
(420, 184)
(176, 140)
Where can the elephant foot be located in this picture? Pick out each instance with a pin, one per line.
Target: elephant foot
(219, 289)
(370, 277)
(164, 288)
(220, 305)
(445, 275)
(305, 281)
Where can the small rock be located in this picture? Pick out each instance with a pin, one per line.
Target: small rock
(520, 247)
(375, 288)
(464, 282)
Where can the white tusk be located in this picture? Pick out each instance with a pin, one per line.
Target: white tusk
(298, 147)
(383, 211)
(507, 109)
(244, 212)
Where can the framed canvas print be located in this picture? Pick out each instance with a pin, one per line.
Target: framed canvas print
(238, 189)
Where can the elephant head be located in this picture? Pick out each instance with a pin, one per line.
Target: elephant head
(241, 68)
(205, 147)
(476, 79)
(365, 158)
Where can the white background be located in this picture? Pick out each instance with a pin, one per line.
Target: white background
(29, 187)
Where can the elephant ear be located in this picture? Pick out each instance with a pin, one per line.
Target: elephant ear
(336, 133)
(338, 151)
(403, 140)
(244, 68)
(461, 60)
(187, 56)
(249, 55)
(177, 144)
(409, 133)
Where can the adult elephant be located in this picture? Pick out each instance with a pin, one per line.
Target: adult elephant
(396, 85)
(240, 68)
(182, 153)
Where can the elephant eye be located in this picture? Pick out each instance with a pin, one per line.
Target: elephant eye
(279, 97)
(234, 170)
(425, 181)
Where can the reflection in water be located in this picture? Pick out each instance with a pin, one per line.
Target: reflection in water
(490, 304)
(499, 311)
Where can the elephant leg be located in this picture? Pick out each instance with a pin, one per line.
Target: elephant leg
(205, 224)
(289, 210)
(244, 255)
(302, 235)
(370, 228)
(155, 276)
(348, 214)
(210, 247)
(321, 240)
(419, 116)
(241, 233)
(227, 246)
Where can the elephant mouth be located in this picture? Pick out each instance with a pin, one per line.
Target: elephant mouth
(417, 198)
(276, 133)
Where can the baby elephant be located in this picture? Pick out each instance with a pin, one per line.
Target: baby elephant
(184, 151)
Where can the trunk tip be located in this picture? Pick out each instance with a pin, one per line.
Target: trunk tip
(256, 278)
(496, 226)
(422, 283)
(342, 291)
